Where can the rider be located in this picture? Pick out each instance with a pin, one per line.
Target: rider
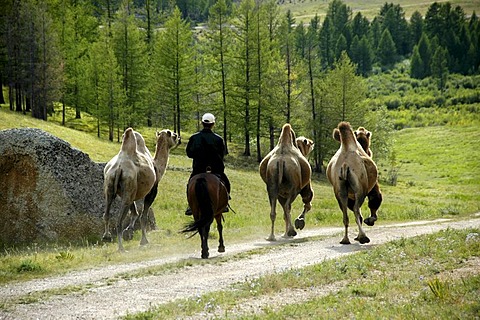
(207, 149)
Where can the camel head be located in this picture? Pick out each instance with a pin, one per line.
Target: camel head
(305, 145)
(363, 137)
(166, 136)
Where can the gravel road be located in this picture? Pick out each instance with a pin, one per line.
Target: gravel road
(105, 295)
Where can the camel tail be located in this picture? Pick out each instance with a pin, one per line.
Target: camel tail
(205, 207)
(344, 172)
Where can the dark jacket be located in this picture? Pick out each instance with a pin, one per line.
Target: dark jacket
(207, 149)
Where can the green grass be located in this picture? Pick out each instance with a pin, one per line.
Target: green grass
(305, 10)
(438, 176)
(416, 278)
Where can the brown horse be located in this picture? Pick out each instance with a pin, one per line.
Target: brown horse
(207, 197)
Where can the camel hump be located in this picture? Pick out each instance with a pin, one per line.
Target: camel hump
(347, 138)
(287, 136)
(129, 143)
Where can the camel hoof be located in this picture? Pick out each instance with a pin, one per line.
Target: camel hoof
(290, 234)
(370, 221)
(299, 223)
(204, 255)
(363, 239)
(271, 238)
(143, 242)
(221, 249)
(107, 238)
(345, 241)
(127, 234)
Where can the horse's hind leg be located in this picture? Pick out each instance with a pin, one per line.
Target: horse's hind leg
(307, 197)
(374, 201)
(221, 246)
(204, 237)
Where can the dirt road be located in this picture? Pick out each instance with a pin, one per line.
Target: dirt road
(105, 295)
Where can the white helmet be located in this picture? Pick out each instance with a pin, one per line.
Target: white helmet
(208, 118)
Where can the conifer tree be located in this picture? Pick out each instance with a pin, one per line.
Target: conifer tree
(387, 53)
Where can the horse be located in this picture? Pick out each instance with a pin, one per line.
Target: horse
(208, 198)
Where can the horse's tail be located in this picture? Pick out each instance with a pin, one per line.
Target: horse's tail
(206, 214)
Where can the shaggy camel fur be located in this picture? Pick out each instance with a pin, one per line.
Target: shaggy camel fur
(131, 176)
(287, 173)
(353, 175)
(166, 141)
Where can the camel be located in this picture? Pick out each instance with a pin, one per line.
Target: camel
(375, 198)
(353, 174)
(130, 175)
(144, 174)
(286, 173)
(166, 140)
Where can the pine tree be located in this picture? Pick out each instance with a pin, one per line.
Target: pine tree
(417, 68)
(416, 26)
(439, 67)
(387, 53)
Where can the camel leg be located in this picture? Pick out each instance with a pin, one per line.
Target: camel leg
(123, 213)
(144, 216)
(362, 237)
(342, 198)
(221, 246)
(287, 208)
(107, 236)
(374, 201)
(307, 197)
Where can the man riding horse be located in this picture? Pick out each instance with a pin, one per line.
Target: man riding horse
(207, 149)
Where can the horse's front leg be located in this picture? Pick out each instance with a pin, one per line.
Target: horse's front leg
(221, 246)
(307, 196)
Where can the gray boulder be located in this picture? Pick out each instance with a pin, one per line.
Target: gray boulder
(49, 191)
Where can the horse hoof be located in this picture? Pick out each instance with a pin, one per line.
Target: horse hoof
(221, 249)
(370, 221)
(299, 223)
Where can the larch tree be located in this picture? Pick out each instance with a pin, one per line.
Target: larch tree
(174, 71)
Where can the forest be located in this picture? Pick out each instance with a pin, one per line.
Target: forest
(164, 63)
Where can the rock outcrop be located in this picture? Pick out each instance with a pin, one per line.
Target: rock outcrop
(49, 191)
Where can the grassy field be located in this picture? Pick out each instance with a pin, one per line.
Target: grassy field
(438, 176)
(305, 10)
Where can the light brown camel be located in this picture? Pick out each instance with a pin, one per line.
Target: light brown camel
(131, 176)
(374, 196)
(166, 141)
(287, 173)
(353, 174)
